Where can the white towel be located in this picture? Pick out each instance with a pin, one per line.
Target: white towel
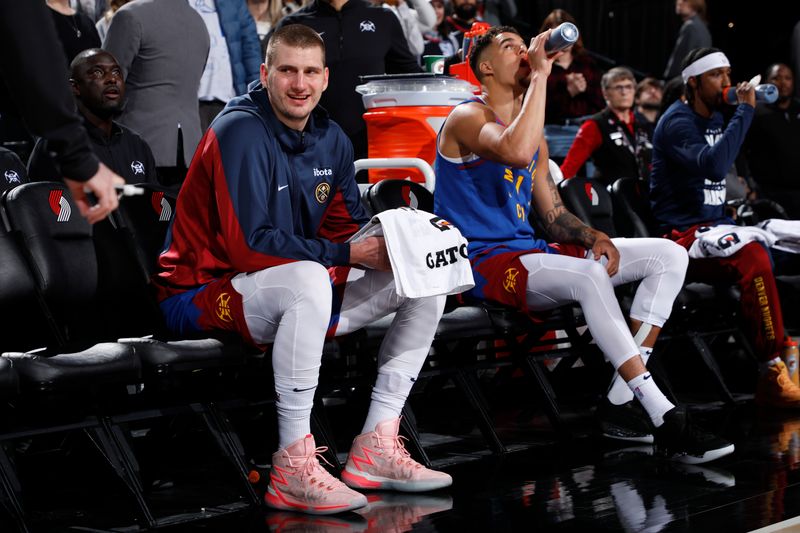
(725, 240)
(428, 254)
(786, 231)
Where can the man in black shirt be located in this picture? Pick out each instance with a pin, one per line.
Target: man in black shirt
(29, 62)
(99, 91)
(772, 147)
(360, 39)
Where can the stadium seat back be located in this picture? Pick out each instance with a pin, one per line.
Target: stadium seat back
(393, 193)
(632, 215)
(57, 240)
(147, 217)
(589, 201)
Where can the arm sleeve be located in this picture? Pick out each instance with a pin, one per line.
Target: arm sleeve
(586, 142)
(33, 65)
(243, 177)
(123, 39)
(399, 58)
(251, 46)
(689, 148)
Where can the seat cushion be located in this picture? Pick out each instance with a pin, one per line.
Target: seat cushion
(107, 362)
(9, 381)
(185, 354)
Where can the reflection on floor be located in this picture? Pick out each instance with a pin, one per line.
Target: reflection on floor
(579, 484)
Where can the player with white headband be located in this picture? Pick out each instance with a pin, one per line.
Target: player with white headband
(693, 150)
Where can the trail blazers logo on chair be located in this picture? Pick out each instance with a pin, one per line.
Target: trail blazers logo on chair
(510, 280)
(223, 307)
(592, 194)
(161, 207)
(59, 205)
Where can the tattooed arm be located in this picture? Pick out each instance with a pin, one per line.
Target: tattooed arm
(563, 226)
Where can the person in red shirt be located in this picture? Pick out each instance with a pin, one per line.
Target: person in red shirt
(616, 139)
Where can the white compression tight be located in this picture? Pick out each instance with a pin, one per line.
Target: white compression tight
(660, 264)
(290, 306)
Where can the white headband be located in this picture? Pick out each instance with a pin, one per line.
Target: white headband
(704, 64)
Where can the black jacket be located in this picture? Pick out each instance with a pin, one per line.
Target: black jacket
(124, 152)
(359, 40)
(33, 66)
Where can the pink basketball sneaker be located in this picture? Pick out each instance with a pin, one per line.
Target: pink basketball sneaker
(379, 460)
(297, 482)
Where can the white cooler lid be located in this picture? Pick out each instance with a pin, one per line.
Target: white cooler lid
(427, 91)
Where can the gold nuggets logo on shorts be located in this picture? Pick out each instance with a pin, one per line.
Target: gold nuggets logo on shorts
(223, 307)
(510, 280)
(322, 192)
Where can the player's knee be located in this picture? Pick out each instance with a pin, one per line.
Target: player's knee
(311, 281)
(676, 259)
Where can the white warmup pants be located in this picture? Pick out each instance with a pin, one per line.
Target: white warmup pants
(290, 306)
(660, 264)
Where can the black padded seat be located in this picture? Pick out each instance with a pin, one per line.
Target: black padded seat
(9, 380)
(186, 354)
(107, 362)
(463, 322)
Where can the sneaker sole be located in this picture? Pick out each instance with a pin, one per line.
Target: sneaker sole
(286, 503)
(365, 481)
(646, 439)
(711, 455)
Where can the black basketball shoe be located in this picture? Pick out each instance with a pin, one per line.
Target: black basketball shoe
(678, 439)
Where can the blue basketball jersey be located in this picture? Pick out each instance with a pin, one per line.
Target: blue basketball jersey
(487, 201)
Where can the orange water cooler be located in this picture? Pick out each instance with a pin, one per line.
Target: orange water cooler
(404, 115)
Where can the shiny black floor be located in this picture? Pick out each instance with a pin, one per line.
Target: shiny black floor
(581, 483)
(549, 481)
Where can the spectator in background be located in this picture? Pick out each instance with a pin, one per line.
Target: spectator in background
(649, 93)
(105, 21)
(266, 14)
(161, 46)
(99, 90)
(94, 9)
(444, 39)
(618, 142)
(360, 39)
(772, 147)
(573, 88)
(693, 34)
(33, 68)
(234, 58)
(465, 12)
(415, 16)
(498, 12)
(75, 30)
(673, 91)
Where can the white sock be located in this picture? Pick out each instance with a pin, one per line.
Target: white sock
(618, 392)
(388, 398)
(651, 397)
(295, 398)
